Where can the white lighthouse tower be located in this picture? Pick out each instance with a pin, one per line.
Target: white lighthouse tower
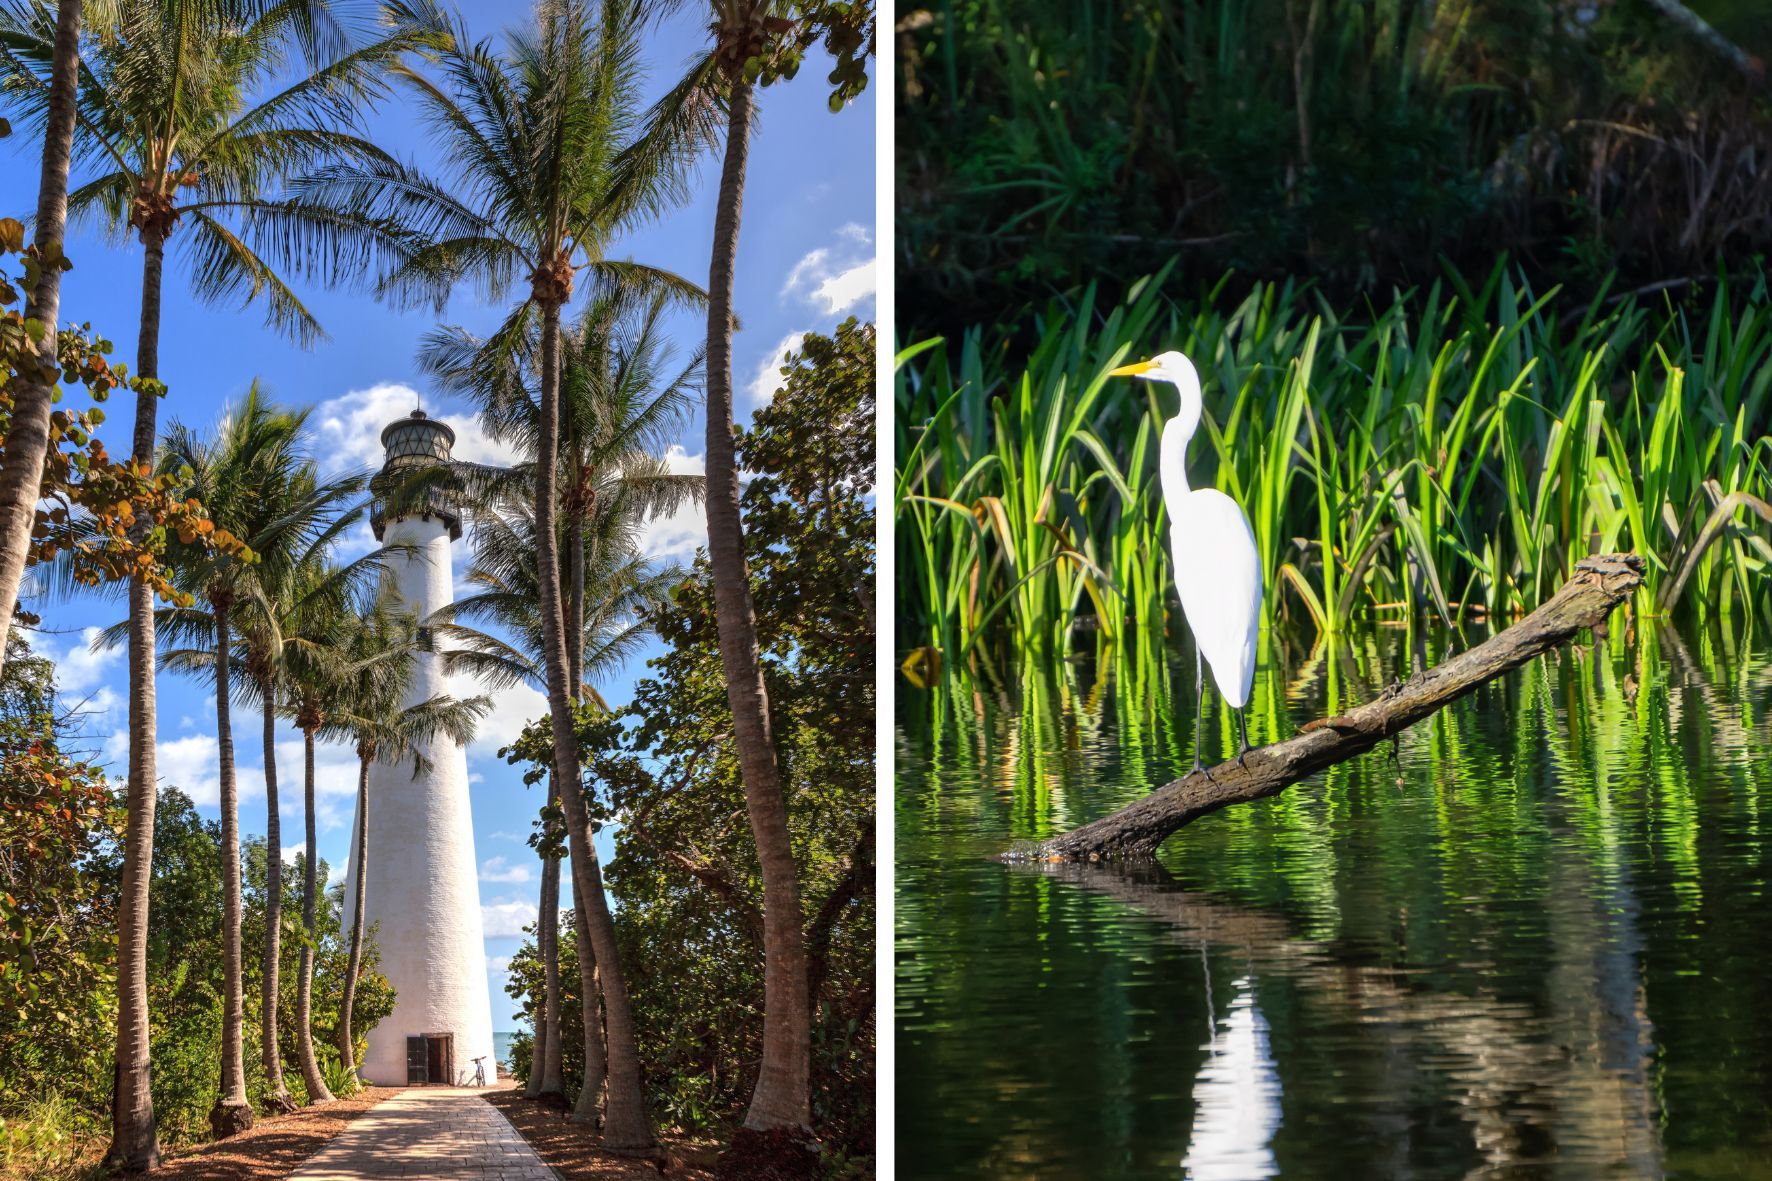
(421, 890)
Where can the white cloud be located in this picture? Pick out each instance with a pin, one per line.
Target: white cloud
(498, 963)
(80, 670)
(503, 836)
(769, 379)
(835, 279)
(192, 765)
(101, 702)
(350, 427)
(808, 270)
(497, 869)
(335, 783)
(506, 919)
(512, 709)
(678, 535)
(844, 290)
(87, 680)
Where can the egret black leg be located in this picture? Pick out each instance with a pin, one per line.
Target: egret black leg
(1199, 706)
(1243, 729)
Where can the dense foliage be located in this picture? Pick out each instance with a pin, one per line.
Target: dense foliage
(60, 874)
(58, 822)
(685, 868)
(1041, 144)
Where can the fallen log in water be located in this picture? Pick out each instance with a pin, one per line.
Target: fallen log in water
(1598, 585)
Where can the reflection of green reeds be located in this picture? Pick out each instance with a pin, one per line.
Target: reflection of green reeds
(1452, 453)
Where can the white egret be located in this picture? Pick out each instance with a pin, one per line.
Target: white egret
(1212, 550)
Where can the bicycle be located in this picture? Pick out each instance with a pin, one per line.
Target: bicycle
(478, 1078)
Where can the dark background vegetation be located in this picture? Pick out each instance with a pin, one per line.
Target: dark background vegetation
(1358, 143)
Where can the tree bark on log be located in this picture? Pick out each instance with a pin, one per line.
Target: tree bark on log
(1597, 586)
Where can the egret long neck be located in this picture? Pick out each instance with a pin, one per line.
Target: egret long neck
(1172, 446)
(1172, 462)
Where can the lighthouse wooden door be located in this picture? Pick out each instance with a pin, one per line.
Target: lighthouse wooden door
(417, 1066)
(440, 1066)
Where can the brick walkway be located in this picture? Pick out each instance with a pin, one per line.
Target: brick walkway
(428, 1133)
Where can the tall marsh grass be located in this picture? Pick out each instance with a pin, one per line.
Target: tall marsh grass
(1451, 453)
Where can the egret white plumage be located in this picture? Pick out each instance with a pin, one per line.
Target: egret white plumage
(1212, 550)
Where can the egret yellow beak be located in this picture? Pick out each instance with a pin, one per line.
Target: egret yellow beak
(1133, 370)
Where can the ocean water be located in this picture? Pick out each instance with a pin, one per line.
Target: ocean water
(501, 1047)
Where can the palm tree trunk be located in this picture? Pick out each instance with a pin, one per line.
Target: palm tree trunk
(626, 1127)
(27, 436)
(270, 1051)
(538, 1060)
(553, 1081)
(318, 1092)
(782, 1098)
(590, 1095)
(544, 1069)
(575, 606)
(347, 1050)
(135, 1143)
(232, 1111)
(545, 1077)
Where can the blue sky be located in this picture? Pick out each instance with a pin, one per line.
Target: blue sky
(805, 262)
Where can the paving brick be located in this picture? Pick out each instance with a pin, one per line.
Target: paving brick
(427, 1134)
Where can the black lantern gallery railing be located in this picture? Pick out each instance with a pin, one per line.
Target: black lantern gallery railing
(414, 444)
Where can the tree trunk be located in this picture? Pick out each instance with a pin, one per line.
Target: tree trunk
(1598, 585)
(553, 1082)
(318, 1092)
(27, 436)
(590, 1095)
(782, 1098)
(544, 1069)
(545, 1076)
(626, 1127)
(538, 1061)
(135, 1144)
(270, 1049)
(232, 1111)
(347, 1050)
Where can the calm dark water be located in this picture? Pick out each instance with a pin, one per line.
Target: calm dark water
(1535, 942)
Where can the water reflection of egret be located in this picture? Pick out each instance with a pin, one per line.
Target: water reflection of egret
(1236, 1098)
(1216, 567)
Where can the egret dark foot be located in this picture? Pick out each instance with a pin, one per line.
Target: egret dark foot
(1241, 762)
(1200, 769)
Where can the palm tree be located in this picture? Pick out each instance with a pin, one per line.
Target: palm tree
(314, 676)
(326, 605)
(532, 136)
(164, 107)
(27, 434)
(782, 1098)
(622, 587)
(756, 41)
(379, 655)
(620, 401)
(260, 485)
